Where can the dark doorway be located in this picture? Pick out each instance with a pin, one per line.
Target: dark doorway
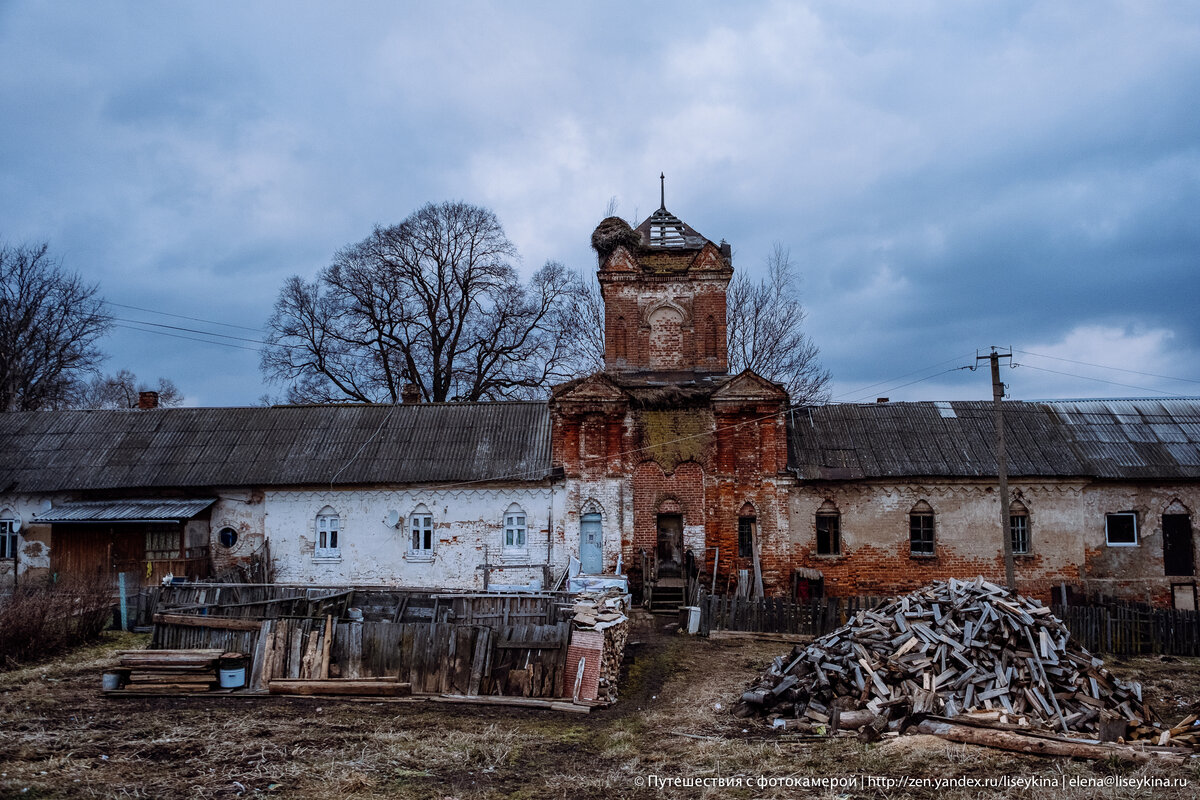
(670, 545)
(1177, 545)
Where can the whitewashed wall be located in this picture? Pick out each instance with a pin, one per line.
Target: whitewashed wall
(468, 528)
(33, 541)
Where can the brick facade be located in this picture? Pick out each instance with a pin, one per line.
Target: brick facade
(665, 432)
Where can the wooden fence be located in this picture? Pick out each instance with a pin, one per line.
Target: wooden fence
(1113, 628)
(472, 644)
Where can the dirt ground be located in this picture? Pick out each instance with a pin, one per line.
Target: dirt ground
(59, 737)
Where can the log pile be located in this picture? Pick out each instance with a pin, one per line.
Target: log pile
(170, 670)
(952, 648)
(606, 612)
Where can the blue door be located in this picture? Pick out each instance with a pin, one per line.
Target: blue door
(591, 544)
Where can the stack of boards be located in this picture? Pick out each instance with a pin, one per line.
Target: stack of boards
(170, 671)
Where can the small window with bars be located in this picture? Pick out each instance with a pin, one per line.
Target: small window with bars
(1018, 528)
(746, 537)
(920, 530)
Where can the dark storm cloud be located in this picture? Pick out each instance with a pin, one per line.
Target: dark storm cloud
(947, 175)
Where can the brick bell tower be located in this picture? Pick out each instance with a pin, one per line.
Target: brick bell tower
(664, 296)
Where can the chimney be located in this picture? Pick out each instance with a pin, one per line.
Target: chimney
(410, 394)
(147, 400)
(726, 251)
(881, 400)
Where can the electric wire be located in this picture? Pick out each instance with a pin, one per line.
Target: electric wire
(1106, 366)
(182, 316)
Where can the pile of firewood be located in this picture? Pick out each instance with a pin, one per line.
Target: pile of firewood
(169, 670)
(952, 648)
(605, 611)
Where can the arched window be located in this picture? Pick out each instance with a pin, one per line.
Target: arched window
(10, 523)
(1018, 528)
(514, 528)
(747, 528)
(328, 532)
(829, 530)
(420, 526)
(920, 530)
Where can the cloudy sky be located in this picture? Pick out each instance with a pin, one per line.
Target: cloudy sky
(947, 175)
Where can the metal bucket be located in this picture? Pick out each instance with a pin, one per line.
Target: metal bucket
(354, 614)
(232, 678)
(110, 681)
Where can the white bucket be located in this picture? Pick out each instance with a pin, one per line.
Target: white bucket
(110, 681)
(232, 678)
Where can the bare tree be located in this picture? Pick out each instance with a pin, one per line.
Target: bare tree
(50, 321)
(122, 390)
(765, 322)
(433, 301)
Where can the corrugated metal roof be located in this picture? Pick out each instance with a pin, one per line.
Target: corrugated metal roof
(154, 510)
(282, 445)
(1128, 439)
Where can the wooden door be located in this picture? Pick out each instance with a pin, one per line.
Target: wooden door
(670, 545)
(80, 551)
(591, 545)
(1178, 558)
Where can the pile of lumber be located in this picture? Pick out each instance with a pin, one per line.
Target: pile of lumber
(170, 671)
(952, 648)
(363, 687)
(615, 638)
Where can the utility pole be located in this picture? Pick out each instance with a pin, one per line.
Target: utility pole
(1002, 463)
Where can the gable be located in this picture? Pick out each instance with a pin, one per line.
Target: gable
(749, 385)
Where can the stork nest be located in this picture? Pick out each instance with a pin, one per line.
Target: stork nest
(612, 233)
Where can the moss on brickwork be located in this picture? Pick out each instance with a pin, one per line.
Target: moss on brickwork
(676, 436)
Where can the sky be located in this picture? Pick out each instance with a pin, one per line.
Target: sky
(946, 176)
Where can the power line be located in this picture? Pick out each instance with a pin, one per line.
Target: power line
(190, 330)
(191, 338)
(918, 380)
(905, 375)
(1100, 380)
(1105, 366)
(182, 316)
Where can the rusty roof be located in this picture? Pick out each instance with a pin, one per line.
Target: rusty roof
(274, 446)
(664, 229)
(152, 510)
(1113, 439)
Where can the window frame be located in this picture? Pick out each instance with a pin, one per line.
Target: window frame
(327, 542)
(8, 539)
(834, 543)
(1108, 541)
(519, 531)
(746, 526)
(1014, 535)
(917, 534)
(421, 516)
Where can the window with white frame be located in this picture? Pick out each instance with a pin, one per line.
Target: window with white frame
(1120, 530)
(515, 530)
(1018, 528)
(8, 534)
(420, 526)
(329, 529)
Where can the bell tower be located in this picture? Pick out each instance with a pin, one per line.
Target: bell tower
(664, 288)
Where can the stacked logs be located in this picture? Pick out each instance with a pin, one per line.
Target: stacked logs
(952, 648)
(605, 611)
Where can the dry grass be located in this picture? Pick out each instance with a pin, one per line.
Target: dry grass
(59, 738)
